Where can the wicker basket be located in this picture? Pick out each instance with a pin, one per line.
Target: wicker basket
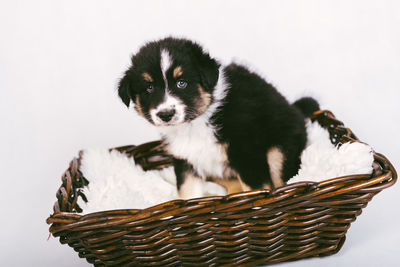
(296, 221)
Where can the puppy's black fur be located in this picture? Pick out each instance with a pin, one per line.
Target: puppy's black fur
(246, 116)
(255, 118)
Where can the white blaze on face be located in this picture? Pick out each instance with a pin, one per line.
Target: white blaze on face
(166, 62)
(169, 102)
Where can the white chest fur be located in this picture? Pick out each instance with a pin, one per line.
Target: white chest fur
(196, 143)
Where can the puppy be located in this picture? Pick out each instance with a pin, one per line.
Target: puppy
(217, 121)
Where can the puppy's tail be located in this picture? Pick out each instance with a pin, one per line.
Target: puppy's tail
(307, 105)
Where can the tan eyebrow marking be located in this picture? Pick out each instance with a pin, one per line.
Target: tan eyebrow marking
(147, 77)
(177, 72)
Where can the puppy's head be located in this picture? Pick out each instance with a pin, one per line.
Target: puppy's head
(170, 81)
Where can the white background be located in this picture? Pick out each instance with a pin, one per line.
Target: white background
(60, 62)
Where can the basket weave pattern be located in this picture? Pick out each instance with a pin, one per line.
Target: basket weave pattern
(296, 221)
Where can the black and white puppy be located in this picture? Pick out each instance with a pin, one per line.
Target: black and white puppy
(217, 121)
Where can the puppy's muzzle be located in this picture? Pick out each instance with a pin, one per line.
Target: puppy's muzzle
(166, 114)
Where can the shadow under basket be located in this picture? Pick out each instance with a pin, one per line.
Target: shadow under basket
(300, 220)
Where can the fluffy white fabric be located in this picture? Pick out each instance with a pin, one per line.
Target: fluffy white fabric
(117, 183)
(321, 160)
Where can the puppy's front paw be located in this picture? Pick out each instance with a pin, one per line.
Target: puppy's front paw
(191, 188)
(213, 189)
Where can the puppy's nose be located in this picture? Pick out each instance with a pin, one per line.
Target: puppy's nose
(166, 114)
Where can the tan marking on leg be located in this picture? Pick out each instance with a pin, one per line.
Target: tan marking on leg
(147, 77)
(177, 72)
(192, 187)
(138, 107)
(204, 101)
(245, 187)
(275, 159)
(232, 185)
(230, 178)
(266, 186)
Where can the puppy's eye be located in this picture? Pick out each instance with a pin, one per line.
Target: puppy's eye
(181, 84)
(150, 89)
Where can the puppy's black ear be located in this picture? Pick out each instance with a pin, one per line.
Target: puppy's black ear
(209, 67)
(123, 89)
